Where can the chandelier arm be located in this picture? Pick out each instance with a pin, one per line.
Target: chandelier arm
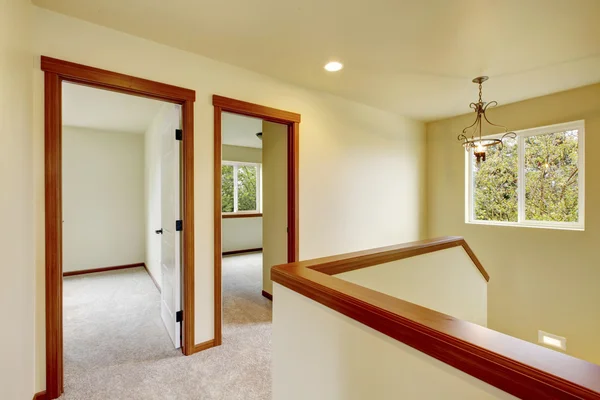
(511, 135)
(473, 124)
(495, 103)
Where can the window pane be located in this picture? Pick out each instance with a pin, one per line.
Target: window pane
(551, 177)
(246, 188)
(495, 184)
(227, 188)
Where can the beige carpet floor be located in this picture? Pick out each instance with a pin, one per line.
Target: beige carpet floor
(116, 346)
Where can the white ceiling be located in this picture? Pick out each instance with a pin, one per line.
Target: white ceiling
(239, 130)
(92, 108)
(415, 58)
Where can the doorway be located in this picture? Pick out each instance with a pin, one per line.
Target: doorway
(287, 126)
(58, 72)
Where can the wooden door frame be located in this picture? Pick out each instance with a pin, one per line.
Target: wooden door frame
(292, 121)
(58, 71)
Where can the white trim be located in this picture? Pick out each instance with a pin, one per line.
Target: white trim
(235, 189)
(522, 221)
(236, 165)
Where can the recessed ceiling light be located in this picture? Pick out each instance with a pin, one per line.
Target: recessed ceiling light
(334, 66)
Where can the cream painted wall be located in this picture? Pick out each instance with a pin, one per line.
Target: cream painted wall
(17, 244)
(345, 360)
(103, 198)
(540, 278)
(240, 153)
(361, 169)
(241, 233)
(274, 183)
(446, 281)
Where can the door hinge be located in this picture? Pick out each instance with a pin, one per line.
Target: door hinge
(179, 225)
(178, 134)
(179, 316)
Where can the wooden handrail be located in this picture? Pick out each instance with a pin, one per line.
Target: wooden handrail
(520, 368)
(349, 262)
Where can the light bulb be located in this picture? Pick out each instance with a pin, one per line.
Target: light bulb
(334, 66)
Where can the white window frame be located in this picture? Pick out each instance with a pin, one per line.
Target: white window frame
(235, 165)
(522, 222)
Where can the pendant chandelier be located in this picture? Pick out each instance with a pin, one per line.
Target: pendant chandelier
(477, 143)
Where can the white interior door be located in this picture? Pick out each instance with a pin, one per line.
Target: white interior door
(171, 237)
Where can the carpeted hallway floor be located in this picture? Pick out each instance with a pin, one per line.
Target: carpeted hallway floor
(116, 346)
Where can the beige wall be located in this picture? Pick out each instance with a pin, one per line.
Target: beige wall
(446, 281)
(241, 153)
(241, 233)
(103, 198)
(17, 286)
(540, 278)
(274, 183)
(345, 147)
(342, 359)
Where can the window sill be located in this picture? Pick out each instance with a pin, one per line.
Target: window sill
(529, 224)
(242, 215)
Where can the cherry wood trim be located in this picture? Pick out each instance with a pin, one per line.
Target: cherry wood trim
(204, 346)
(293, 191)
(267, 295)
(40, 395)
(255, 110)
(234, 252)
(520, 368)
(292, 120)
(55, 72)
(217, 220)
(151, 277)
(103, 269)
(188, 256)
(114, 81)
(53, 233)
(253, 215)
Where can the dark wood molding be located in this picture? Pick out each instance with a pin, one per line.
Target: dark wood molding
(151, 277)
(53, 232)
(255, 110)
(253, 215)
(292, 120)
(217, 220)
(40, 395)
(103, 269)
(520, 368)
(115, 81)
(267, 295)
(188, 256)
(55, 72)
(293, 201)
(366, 258)
(234, 252)
(204, 346)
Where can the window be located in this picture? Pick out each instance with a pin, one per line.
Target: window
(240, 187)
(536, 180)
